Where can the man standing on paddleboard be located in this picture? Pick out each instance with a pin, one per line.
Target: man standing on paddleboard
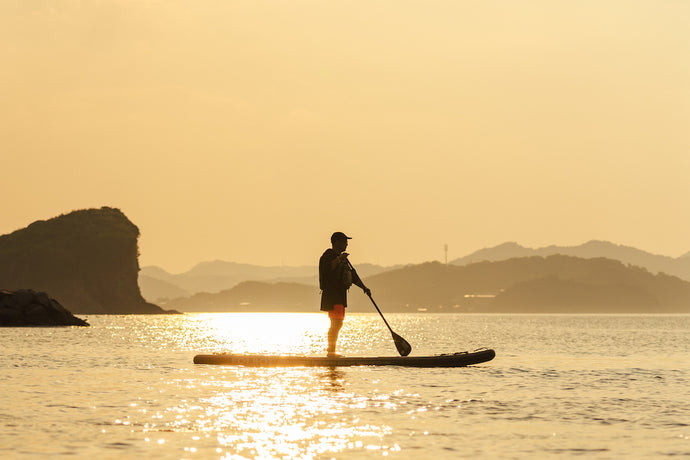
(335, 278)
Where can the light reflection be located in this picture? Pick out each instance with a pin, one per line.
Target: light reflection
(287, 333)
(279, 413)
(271, 412)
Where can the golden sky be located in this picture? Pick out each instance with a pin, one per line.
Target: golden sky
(251, 130)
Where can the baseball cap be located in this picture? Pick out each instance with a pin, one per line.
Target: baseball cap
(339, 236)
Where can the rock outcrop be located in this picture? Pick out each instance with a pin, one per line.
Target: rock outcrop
(87, 260)
(30, 308)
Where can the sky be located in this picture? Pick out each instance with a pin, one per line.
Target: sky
(251, 130)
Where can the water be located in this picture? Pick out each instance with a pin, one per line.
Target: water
(560, 386)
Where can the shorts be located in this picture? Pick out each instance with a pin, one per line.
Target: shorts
(338, 312)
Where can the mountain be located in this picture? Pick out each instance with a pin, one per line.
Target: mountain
(553, 284)
(87, 260)
(655, 263)
(552, 294)
(503, 251)
(252, 296)
(218, 275)
(157, 290)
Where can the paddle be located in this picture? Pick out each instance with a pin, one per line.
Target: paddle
(401, 344)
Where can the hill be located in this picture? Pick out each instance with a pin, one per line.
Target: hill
(156, 289)
(679, 266)
(157, 285)
(87, 260)
(536, 284)
(252, 296)
(554, 284)
(218, 275)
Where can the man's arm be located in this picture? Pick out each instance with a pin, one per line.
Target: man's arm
(356, 280)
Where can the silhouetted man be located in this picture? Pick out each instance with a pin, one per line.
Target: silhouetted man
(335, 278)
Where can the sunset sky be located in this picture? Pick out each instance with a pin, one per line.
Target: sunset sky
(251, 130)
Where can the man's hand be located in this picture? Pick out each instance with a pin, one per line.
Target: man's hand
(339, 260)
(367, 291)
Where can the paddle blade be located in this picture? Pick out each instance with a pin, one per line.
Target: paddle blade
(401, 344)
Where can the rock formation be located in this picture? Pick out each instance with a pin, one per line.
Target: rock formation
(87, 260)
(30, 308)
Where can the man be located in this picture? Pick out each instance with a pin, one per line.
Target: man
(335, 278)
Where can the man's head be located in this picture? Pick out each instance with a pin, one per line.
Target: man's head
(339, 241)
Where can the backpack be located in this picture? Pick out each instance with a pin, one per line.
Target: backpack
(346, 275)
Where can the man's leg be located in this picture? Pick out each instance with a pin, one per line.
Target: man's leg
(333, 332)
(337, 315)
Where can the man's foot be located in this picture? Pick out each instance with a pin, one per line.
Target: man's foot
(331, 354)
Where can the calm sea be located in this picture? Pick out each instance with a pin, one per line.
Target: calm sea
(561, 386)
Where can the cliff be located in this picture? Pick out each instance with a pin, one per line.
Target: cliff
(87, 260)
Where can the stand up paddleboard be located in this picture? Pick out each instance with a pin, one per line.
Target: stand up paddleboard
(450, 360)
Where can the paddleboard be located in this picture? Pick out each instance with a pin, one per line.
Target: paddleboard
(448, 360)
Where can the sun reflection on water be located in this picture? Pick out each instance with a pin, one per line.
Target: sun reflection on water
(126, 388)
(295, 333)
(267, 413)
(277, 413)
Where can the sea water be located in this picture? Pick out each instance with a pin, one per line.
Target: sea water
(560, 386)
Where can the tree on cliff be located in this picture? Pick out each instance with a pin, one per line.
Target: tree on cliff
(87, 260)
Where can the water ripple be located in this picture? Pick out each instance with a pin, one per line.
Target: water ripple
(560, 386)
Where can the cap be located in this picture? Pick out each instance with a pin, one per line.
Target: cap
(339, 236)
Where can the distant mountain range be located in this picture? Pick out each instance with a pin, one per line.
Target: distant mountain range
(679, 266)
(218, 275)
(88, 260)
(252, 296)
(553, 284)
(214, 276)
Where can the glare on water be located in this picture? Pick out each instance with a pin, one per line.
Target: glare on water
(300, 333)
(277, 412)
(560, 386)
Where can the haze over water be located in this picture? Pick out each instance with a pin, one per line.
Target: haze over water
(561, 386)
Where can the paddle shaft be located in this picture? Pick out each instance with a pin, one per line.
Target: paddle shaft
(401, 344)
(372, 299)
(378, 310)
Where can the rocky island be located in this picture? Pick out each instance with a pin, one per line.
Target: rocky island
(87, 260)
(30, 308)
